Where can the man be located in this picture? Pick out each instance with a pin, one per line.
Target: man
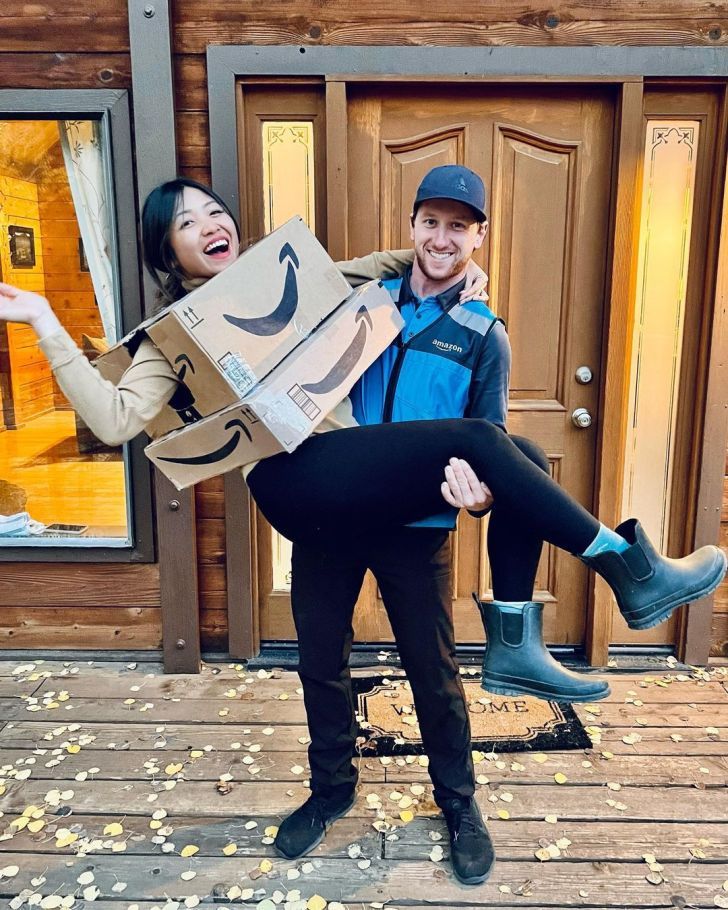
(452, 360)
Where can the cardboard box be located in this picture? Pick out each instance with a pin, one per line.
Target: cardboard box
(290, 403)
(228, 334)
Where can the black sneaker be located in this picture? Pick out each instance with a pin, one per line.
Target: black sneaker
(471, 849)
(305, 828)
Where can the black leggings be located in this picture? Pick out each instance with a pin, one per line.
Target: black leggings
(340, 484)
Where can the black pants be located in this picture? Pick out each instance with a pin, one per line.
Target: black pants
(412, 567)
(339, 485)
(341, 498)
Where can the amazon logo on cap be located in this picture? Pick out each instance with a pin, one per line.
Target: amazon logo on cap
(276, 321)
(219, 454)
(348, 360)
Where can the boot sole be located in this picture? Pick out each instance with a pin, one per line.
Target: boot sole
(500, 688)
(664, 610)
(474, 880)
(318, 839)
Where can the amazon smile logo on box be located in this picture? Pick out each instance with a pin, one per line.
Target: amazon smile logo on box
(287, 406)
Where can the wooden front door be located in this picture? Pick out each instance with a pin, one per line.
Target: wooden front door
(545, 155)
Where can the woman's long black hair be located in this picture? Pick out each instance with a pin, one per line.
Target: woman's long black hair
(158, 213)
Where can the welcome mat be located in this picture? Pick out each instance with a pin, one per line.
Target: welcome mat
(388, 722)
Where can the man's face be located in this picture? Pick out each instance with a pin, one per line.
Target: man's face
(445, 234)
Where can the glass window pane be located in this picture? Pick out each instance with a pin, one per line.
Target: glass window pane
(666, 217)
(56, 238)
(288, 190)
(288, 173)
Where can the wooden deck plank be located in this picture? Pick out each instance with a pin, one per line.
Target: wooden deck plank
(605, 841)
(558, 883)
(209, 834)
(26, 734)
(246, 709)
(655, 690)
(115, 765)
(665, 803)
(250, 798)
(628, 770)
(11, 687)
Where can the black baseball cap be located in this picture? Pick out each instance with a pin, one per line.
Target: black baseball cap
(453, 181)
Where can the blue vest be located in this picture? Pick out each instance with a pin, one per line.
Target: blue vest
(451, 360)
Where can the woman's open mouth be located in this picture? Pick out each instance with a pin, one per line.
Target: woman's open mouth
(217, 249)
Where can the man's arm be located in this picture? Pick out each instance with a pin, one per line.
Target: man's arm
(488, 397)
(386, 264)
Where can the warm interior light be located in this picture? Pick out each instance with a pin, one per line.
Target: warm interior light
(666, 216)
(288, 190)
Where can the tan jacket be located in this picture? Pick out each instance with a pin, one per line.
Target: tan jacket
(116, 414)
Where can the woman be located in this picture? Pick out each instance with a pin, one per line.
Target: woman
(337, 485)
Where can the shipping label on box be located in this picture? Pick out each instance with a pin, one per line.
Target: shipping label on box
(292, 401)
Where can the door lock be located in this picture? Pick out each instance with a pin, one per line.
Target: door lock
(583, 375)
(581, 418)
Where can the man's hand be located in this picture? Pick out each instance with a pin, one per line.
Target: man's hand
(462, 489)
(476, 281)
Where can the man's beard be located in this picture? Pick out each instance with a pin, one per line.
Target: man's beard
(457, 268)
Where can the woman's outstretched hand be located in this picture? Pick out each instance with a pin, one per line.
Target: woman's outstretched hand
(476, 281)
(27, 307)
(462, 488)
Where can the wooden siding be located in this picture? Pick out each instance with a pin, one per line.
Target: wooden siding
(26, 376)
(73, 45)
(85, 44)
(369, 22)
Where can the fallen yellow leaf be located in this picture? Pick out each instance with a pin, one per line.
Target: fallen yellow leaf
(189, 850)
(230, 849)
(113, 829)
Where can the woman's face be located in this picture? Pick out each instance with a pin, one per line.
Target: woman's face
(203, 236)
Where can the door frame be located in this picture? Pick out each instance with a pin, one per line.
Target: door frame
(623, 67)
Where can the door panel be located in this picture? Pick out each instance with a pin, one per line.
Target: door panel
(546, 158)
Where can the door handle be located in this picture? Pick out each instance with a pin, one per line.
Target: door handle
(581, 418)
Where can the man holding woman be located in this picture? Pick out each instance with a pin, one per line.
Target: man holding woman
(357, 490)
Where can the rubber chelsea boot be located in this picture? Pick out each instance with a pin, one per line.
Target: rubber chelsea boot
(648, 586)
(517, 662)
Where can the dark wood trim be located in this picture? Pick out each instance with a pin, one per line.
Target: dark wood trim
(336, 170)
(466, 60)
(695, 644)
(111, 108)
(154, 130)
(240, 561)
(177, 548)
(626, 67)
(617, 349)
